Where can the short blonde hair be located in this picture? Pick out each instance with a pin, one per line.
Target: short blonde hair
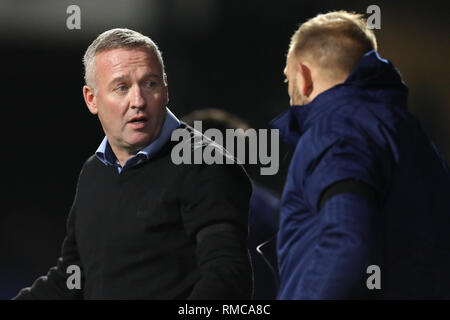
(336, 41)
(115, 39)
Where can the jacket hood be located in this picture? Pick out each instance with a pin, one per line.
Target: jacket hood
(374, 75)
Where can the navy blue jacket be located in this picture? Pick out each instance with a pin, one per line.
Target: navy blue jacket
(361, 131)
(263, 225)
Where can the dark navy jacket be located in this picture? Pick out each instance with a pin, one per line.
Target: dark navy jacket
(361, 131)
(263, 225)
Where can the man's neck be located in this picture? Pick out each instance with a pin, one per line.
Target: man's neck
(322, 86)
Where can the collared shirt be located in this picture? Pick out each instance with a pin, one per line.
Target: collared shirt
(106, 155)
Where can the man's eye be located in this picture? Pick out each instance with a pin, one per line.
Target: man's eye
(121, 88)
(150, 84)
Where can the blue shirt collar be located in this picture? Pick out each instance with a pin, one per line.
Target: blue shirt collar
(105, 154)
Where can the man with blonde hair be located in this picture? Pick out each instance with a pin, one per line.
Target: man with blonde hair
(141, 227)
(366, 209)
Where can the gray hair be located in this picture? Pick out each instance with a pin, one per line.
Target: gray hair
(115, 39)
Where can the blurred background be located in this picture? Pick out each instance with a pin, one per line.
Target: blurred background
(218, 54)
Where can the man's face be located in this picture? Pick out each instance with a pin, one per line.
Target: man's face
(131, 97)
(294, 80)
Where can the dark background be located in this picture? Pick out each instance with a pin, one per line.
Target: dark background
(218, 54)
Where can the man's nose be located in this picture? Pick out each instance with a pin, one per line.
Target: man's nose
(137, 99)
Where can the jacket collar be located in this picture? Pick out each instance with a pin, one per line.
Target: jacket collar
(373, 73)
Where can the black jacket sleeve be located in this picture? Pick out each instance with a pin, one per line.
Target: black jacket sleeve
(215, 214)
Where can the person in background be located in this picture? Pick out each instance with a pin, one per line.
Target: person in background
(264, 208)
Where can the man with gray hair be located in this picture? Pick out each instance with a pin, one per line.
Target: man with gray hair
(365, 209)
(141, 227)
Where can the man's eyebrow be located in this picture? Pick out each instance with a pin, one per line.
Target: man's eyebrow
(119, 79)
(151, 75)
(145, 76)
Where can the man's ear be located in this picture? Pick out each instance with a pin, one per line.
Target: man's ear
(90, 99)
(307, 84)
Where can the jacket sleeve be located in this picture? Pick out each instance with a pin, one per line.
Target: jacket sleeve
(338, 264)
(215, 215)
(348, 217)
(54, 284)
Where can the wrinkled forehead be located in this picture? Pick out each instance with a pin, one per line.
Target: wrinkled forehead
(113, 61)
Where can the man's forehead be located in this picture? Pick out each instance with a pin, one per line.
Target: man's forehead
(114, 58)
(115, 62)
(289, 57)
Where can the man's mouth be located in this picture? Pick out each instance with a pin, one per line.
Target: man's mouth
(138, 122)
(140, 119)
